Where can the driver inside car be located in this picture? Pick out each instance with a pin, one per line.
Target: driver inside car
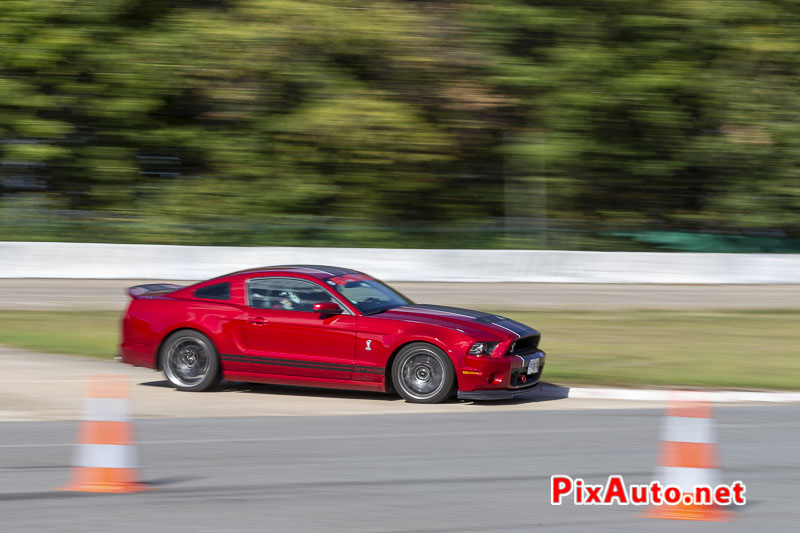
(287, 301)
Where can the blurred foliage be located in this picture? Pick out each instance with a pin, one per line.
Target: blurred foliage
(396, 123)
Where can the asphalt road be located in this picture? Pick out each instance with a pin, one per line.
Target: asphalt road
(409, 473)
(65, 294)
(48, 387)
(373, 463)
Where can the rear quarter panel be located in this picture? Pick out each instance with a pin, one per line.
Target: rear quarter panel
(148, 322)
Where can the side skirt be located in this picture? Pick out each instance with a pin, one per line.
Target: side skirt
(280, 379)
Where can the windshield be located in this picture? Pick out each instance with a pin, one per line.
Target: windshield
(369, 295)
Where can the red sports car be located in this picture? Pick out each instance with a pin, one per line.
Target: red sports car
(328, 327)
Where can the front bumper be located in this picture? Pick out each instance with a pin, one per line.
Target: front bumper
(499, 378)
(496, 394)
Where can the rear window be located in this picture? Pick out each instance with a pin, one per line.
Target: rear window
(219, 291)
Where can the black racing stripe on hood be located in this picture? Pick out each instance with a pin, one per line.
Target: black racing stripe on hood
(481, 317)
(520, 329)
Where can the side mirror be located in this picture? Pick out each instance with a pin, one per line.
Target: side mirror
(327, 308)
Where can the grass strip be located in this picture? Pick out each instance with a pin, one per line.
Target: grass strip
(731, 349)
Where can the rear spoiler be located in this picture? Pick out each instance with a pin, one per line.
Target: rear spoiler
(143, 290)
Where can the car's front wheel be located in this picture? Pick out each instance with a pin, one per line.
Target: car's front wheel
(422, 373)
(190, 361)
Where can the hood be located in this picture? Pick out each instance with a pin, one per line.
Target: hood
(480, 325)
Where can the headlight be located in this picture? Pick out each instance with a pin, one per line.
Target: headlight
(482, 348)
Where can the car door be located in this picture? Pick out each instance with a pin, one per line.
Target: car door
(281, 334)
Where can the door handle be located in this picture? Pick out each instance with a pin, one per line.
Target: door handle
(258, 321)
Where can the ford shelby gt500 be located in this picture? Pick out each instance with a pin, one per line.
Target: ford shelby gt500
(326, 327)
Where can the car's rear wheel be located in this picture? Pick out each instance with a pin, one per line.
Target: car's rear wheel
(190, 361)
(422, 373)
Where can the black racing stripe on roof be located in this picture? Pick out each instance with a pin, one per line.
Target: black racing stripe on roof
(321, 270)
(332, 270)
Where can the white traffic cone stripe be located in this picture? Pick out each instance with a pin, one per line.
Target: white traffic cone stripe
(106, 410)
(105, 456)
(686, 478)
(687, 429)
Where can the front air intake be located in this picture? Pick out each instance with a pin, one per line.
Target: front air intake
(524, 345)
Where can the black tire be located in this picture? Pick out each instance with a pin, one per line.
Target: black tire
(422, 373)
(190, 362)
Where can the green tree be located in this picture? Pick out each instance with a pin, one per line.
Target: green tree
(397, 123)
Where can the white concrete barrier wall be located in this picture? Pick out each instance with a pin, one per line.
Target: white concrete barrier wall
(132, 261)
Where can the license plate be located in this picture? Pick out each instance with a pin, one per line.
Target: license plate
(533, 366)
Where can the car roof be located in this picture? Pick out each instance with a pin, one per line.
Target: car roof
(317, 271)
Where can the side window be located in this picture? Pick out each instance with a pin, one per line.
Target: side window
(286, 294)
(218, 291)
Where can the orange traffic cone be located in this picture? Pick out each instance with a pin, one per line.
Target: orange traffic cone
(105, 457)
(688, 458)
